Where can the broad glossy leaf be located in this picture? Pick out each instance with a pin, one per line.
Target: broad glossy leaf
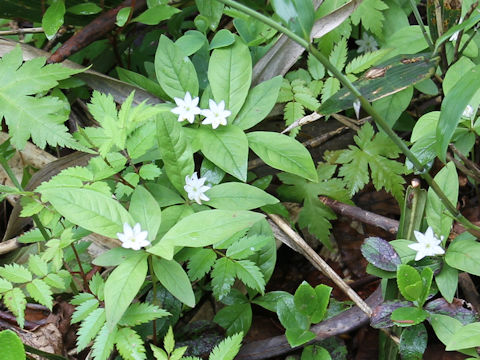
(175, 72)
(230, 75)
(409, 282)
(445, 327)
(413, 342)
(238, 196)
(226, 147)
(453, 106)
(123, 285)
(305, 299)
(322, 299)
(296, 337)
(89, 209)
(176, 152)
(464, 254)
(145, 210)
(447, 282)
(283, 153)
(258, 104)
(408, 316)
(380, 253)
(53, 18)
(204, 228)
(466, 337)
(172, 276)
(11, 345)
(235, 318)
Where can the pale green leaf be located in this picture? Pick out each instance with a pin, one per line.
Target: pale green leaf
(130, 345)
(223, 277)
(40, 292)
(11, 345)
(90, 328)
(84, 309)
(16, 273)
(172, 276)
(250, 275)
(15, 301)
(37, 265)
(146, 211)
(103, 345)
(238, 196)
(139, 313)
(227, 349)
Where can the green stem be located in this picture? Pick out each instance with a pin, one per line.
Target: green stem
(422, 26)
(381, 123)
(154, 297)
(15, 182)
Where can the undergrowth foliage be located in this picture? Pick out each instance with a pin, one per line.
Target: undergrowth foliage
(164, 186)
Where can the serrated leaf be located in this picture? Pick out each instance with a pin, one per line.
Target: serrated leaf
(39, 117)
(15, 273)
(201, 263)
(330, 87)
(5, 285)
(223, 277)
(292, 112)
(283, 153)
(84, 309)
(250, 275)
(338, 56)
(364, 61)
(123, 285)
(103, 345)
(227, 349)
(41, 292)
(169, 341)
(30, 207)
(370, 13)
(139, 313)
(130, 345)
(235, 318)
(149, 171)
(15, 301)
(90, 328)
(81, 298)
(37, 265)
(159, 354)
(247, 246)
(316, 216)
(176, 152)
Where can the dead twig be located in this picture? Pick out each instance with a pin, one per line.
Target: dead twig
(9, 245)
(22, 31)
(361, 215)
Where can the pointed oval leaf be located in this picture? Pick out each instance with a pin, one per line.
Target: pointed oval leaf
(380, 253)
(283, 152)
(172, 276)
(238, 196)
(11, 345)
(145, 210)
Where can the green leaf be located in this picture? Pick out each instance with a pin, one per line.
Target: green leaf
(40, 292)
(122, 16)
(297, 337)
(5, 285)
(88, 8)
(141, 81)
(250, 275)
(129, 344)
(226, 147)
(139, 313)
(53, 18)
(297, 15)
(413, 342)
(391, 107)
(84, 309)
(315, 352)
(435, 211)
(453, 106)
(103, 345)
(464, 254)
(227, 349)
(322, 299)
(211, 10)
(258, 104)
(145, 210)
(247, 246)
(466, 337)
(364, 61)
(81, 298)
(370, 13)
(149, 171)
(156, 14)
(123, 285)
(409, 282)
(172, 276)
(315, 216)
(200, 263)
(37, 265)
(204, 228)
(338, 56)
(15, 273)
(230, 75)
(223, 277)
(283, 153)
(445, 327)
(175, 72)
(305, 299)
(235, 318)
(269, 300)
(238, 196)
(176, 152)
(15, 301)
(89, 209)
(222, 38)
(289, 317)
(11, 345)
(408, 316)
(39, 117)
(90, 328)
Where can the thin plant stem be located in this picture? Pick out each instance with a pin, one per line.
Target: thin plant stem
(15, 182)
(381, 123)
(80, 267)
(422, 26)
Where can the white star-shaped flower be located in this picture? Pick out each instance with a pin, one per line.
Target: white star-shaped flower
(195, 188)
(133, 238)
(216, 115)
(366, 44)
(468, 112)
(186, 108)
(428, 244)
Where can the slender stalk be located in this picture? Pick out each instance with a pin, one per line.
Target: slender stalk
(15, 182)
(422, 26)
(475, 230)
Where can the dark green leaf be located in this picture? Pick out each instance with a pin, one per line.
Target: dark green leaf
(380, 253)
(235, 318)
(413, 342)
